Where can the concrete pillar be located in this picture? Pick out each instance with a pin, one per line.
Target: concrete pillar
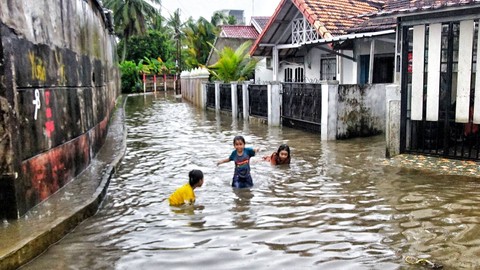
(203, 95)
(392, 125)
(246, 102)
(217, 96)
(329, 110)
(184, 82)
(275, 64)
(233, 88)
(274, 102)
(201, 91)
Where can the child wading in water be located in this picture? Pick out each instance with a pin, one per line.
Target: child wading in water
(185, 194)
(241, 156)
(282, 156)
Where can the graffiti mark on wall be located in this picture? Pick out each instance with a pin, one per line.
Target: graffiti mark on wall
(37, 103)
(49, 124)
(62, 79)
(39, 72)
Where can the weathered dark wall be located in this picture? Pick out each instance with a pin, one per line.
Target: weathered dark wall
(361, 110)
(58, 85)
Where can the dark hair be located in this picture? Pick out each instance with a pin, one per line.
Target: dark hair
(194, 176)
(282, 148)
(238, 138)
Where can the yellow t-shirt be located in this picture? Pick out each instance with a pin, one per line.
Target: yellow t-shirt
(183, 195)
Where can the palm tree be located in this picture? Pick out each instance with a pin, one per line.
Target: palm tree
(197, 36)
(233, 65)
(131, 17)
(219, 18)
(175, 23)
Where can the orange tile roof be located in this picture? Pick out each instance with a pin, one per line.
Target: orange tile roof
(238, 31)
(329, 17)
(332, 18)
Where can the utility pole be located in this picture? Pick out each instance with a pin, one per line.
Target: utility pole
(178, 56)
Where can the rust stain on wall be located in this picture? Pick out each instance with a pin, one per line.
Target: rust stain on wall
(50, 171)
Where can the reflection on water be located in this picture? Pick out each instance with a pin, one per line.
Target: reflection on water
(337, 206)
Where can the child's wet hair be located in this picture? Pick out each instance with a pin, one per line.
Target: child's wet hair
(194, 176)
(282, 148)
(238, 138)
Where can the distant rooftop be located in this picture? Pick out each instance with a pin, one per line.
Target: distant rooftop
(260, 21)
(238, 31)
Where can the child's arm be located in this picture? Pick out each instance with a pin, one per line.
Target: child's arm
(256, 150)
(223, 161)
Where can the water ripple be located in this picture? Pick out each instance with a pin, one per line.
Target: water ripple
(337, 206)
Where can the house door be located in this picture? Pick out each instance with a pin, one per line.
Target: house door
(439, 114)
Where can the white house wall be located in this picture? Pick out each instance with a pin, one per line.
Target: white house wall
(312, 66)
(348, 69)
(262, 73)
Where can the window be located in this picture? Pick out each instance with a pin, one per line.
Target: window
(383, 65)
(299, 74)
(268, 61)
(288, 75)
(328, 69)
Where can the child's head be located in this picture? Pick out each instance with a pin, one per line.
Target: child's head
(239, 142)
(195, 178)
(283, 154)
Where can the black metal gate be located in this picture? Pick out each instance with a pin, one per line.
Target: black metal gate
(210, 95)
(258, 100)
(225, 97)
(301, 106)
(445, 137)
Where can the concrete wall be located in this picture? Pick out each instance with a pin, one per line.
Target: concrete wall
(58, 85)
(361, 110)
(193, 83)
(262, 72)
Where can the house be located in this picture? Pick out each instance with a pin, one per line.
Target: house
(231, 36)
(425, 49)
(317, 40)
(436, 108)
(234, 35)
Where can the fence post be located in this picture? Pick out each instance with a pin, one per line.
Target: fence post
(273, 104)
(392, 125)
(329, 110)
(203, 95)
(233, 88)
(217, 96)
(246, 103)
(184, 80)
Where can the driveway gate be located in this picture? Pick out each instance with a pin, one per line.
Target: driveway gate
(436, 116)
(301, 106)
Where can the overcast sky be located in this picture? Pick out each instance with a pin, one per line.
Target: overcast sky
(206, 8)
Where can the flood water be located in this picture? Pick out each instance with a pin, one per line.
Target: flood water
(339, 205)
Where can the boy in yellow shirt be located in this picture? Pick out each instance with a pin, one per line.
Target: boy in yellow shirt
(185, 194)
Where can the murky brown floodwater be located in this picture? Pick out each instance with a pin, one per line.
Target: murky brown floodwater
(337, 206)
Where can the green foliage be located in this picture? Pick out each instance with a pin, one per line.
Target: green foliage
(219, 18)
(132, 73)
(131, 81)
(131, 17)
(233, 65)
(152, 45)
(197, 37)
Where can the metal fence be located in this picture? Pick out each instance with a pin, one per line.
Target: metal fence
(258, 100)
(301, 106)
(225, 97)
(240, 98)
(210, 95)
